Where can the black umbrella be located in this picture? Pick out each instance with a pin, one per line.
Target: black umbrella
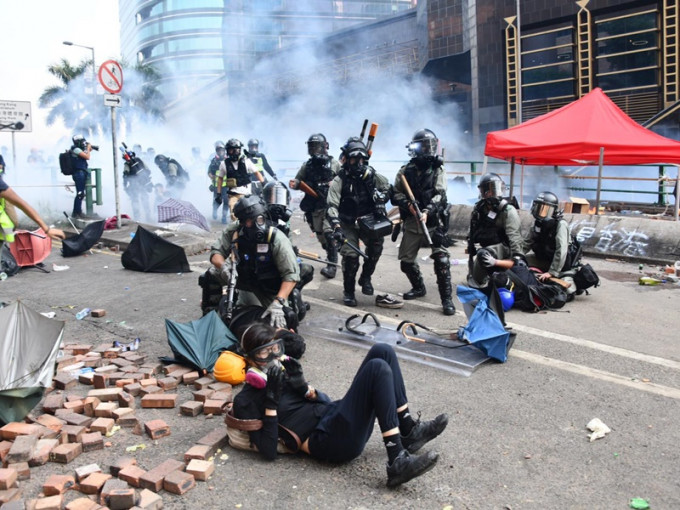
(152, 254)
(85, 240)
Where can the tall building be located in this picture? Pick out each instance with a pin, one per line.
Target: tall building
(193, 42)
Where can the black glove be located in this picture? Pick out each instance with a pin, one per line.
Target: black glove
(212, 188)
(274, 387)
(218, 199)
(295, 378)
(338, 235)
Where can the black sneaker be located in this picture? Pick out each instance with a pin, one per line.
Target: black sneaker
(388, 301)
(423, 432)
(406, 467)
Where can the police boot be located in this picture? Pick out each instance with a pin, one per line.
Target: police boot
(332, 256)
(412, 272)
(442, 269)
(374, 250)
(350, 266)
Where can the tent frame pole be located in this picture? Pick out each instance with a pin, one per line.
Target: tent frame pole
(512, 175)
(677, 190)
(599, 182)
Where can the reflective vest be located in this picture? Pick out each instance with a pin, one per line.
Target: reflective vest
(6, 225)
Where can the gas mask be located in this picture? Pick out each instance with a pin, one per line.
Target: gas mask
(265, 357)
(255, 229)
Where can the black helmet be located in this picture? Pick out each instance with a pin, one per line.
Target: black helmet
(544, 205)
(234, 147)
(491, 183)
(253, 142)
(423, 144)
(317, 146)
(355, 158)
(160, 159)
(219, 145)
(249, 207)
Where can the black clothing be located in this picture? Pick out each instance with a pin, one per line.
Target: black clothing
(356, 196)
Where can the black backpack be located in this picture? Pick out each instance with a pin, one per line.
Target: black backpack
(585, 278)
(66, 163)
(532, 295)
(574, 254)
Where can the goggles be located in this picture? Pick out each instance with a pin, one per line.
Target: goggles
(267, 352)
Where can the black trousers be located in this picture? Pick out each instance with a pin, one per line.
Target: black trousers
(376, 392)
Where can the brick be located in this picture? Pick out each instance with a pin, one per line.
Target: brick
(57, 484)
(103, 425)
(105, 409)
(50, 503)
(86, 378)
(122, 383)
(111, 352)
(4, 448)
(72, 397)
(92, 441)
(110, 486)
(191, 408)
(122, 411)
(164, 400)
(168, 383)
(21, 450)
(131, 474)
(148, 390)
(203, 382)
(64, 380)
(151, 381)
(41, 452)
(149, 500)
(93, 483)
(171, 368)
(222, 395)
(220, 386)
(23, 470)
(84, 471)
(66, 362)
(65, 453)
(215, 439)
(178, 373)
(106, 369)
(126, 400)
(153, 479)
(79, 348)
(101, 347)
(157, 429)
(82, 504)
(179, 482)
(199, 451)
(51, 422)
(203, 395)
(121, 463)
(114, 377)
(155, 366)
(74, 433)
(8, 478)
(89, 405)
(52, 402)
(75, 406)
(105, 395)
(91, 362)
(214, 406)
(9, 495)
(201, 469)
(122, 499)
(14, 429)
(121, 362)
(190, 377)
(133, 389)
(127, 420)
(98, 312)
(100, 381)
(79, 420)
(147, 372)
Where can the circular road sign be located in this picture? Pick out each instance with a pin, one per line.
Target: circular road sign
(111, 76)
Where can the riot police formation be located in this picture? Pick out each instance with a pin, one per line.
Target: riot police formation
(314, 178)
(176, 177)
(219, 199)
(356, 210)
(420, 194)
(494, 230)
(234, 175)
(258, 158)
(137, 184)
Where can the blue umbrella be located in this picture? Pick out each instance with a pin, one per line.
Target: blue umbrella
(199, 343)
(484, 329)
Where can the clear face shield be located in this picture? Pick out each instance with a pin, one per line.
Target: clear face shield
(541, 210)
(316, 149)
(494, 189)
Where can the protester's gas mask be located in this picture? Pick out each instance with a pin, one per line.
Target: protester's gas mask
(265, 357)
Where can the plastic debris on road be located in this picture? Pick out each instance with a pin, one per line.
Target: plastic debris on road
(598, 429)
(56, 267)
(638, 503)
(49, 315)
(136, 447)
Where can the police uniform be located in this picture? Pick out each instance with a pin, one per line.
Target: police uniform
(137, 185)
(429, 189)
(550, 246)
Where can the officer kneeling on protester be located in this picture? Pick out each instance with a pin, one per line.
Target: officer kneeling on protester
(306, 419)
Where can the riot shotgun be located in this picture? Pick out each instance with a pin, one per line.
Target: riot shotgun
(419, 215)
(307, 189)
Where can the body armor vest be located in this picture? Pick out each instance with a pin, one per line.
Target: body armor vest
(356, 198)
(240, 173)
(257, 271)
(483, 229)
(543, 242)
(423, 188)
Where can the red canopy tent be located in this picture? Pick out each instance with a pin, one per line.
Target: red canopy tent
(589, 131)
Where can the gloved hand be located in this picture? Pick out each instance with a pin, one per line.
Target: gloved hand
(212, 188)
(487, 259)
(218, 199)
(273, 388)
(338, 235)
(295, 378)
(277, 318)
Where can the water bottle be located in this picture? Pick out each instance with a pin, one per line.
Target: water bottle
(647, 280)
(3, 276)
(83, 313)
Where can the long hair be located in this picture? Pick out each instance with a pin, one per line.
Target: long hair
(254, 335)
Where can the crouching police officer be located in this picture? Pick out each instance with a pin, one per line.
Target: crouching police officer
(426, 178)
(266, 265)
(357, 191)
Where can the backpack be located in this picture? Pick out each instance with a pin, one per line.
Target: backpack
(532, 295)
(574, 254)
(585, 278)
(66, 163)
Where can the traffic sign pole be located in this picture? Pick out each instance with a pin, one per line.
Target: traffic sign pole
(114, 139)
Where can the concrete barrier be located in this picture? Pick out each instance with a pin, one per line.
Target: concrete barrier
(636, 238)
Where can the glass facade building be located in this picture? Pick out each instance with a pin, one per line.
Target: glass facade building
(194, 42)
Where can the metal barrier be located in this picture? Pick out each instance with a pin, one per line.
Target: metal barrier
(97, 186)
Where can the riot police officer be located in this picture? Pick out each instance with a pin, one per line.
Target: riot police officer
(137, 184)
(357, 192)
(213, 167)
(176, 176)
(314, 178)
(495, 227)
(426, 178)
(258, 158)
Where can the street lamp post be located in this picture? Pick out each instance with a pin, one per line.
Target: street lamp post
(94, 75)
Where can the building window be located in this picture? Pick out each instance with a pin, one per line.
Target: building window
(548, 65)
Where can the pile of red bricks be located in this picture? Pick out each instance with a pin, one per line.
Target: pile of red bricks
(72, 425)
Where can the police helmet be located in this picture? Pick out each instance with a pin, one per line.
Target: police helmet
(234, 147)
(253, 144)
(219, 145)
(249, 207)
(544, 205)
(160, 159)
(423, 144)
(276, 193)
(355, 157)
(317, 145)
(491, 186)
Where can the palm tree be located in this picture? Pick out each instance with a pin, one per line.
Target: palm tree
(141, 98)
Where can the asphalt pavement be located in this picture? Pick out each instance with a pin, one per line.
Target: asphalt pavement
(517, 436)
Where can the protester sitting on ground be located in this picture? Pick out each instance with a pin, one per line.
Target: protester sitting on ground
(8, 219)
(335, 431)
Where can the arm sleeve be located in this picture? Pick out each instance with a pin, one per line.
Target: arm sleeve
(333, 200)
(246, 408)
(267, 166)
(561, 248)
(223, 244)
(439, 197)
(285, 259)
(302, 173)
(399, 197)
(513, 230)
